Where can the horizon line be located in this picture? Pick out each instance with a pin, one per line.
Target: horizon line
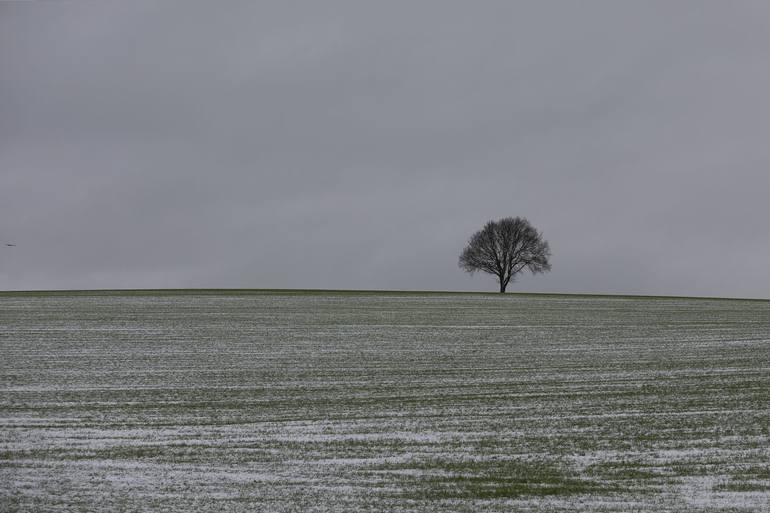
(296, 291)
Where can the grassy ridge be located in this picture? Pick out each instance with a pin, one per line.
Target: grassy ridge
(402, 402)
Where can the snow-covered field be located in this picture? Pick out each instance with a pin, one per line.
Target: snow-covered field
(382, 402)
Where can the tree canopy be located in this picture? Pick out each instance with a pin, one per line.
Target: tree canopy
(505, 248)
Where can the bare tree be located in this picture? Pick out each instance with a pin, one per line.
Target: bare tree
(505, 248)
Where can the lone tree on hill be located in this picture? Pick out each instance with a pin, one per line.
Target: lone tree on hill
(505, 248)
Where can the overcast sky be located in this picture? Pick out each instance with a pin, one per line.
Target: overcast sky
(360, 144)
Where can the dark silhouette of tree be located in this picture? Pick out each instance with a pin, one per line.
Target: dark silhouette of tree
(505, 248)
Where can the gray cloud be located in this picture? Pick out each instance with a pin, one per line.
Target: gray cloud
(358, 145)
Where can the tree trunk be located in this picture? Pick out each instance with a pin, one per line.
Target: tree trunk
(502, 286)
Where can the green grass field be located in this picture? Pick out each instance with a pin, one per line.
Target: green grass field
(326, 401)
